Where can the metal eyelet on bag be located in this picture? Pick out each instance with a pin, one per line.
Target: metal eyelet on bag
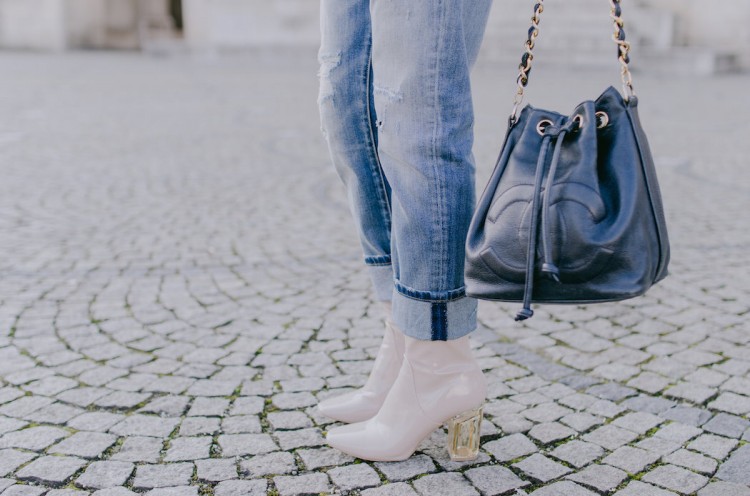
(579, 119)
(602, 119)
(543, 125)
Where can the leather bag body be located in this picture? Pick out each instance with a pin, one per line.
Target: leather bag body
(572, 212)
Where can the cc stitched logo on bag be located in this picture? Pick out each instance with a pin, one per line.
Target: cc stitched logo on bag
(574, 209)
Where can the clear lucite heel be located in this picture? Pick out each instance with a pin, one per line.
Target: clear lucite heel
(463, 435)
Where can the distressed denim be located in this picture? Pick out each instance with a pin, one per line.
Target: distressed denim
(396, 111)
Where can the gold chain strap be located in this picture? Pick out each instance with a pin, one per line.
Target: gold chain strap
(525, 67)
(623, 50)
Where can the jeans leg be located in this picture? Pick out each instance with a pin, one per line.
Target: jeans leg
(347, 117)
(422, 54)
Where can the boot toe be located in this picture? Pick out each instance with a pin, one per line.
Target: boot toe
(348, 408)
(365, 440)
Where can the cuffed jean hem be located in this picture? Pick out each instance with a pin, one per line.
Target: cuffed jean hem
(433, 316)
(382, 280)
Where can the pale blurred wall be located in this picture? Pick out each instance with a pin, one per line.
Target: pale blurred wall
(695, 35)
(232, 24)
(64, 24)
(722, 25)
(34, 24)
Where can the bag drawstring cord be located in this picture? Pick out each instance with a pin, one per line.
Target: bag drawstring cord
(548, 266)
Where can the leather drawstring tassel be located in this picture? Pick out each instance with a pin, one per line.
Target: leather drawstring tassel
(526, 312)
(548, 267)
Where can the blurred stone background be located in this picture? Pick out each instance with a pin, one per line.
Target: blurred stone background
(685, 36)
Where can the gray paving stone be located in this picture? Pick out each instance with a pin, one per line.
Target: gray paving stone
(541, 468)
(512, 423)
(510, 447)
(250, 405)
(9, 394)
(649, 382)
(727, 425)
(358, 476)
(563, 488)
(605, 408)
(397, 489)
(114, 491)
(302, 438)
(6, 483)
(50, 386)
(145, 425)
(122, 400)
(725, 489)
(289, 420)
(601, 477)
(83, 396)
(494, 480)
(23, 490)
(51, 469)
(104, 474)
(173, 491)
(731, 403)
(638, 488)
(170, 406)
(84, 444)
(139, 449)
(195, 426)
(407, 469)
(678, 433)
(638, 422)
(577, 453)
(33, 438)
(693, 461)
(208, 407)
(67, 492)
(610, 437)
(24, 406)
(241, 488)
(548, 412)
(735, 469)
(687, 415)
(697, 393)
(293, 401)
(279, 463)
(323, 457)
(56, 413)
(658, 445)
(216, 470)
(676, 479)
(501, 407)
(210, 388)
(581, 421)
(550, 432)
(611, 391)
(714, 446)
(444, 483)
(11, 459)
(246, 444)
(168, 475)
(9, 424)
(630, 459)
(288, 485)
(188, 448)
(95, 421)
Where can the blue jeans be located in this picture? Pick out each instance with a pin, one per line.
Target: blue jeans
(396, 110)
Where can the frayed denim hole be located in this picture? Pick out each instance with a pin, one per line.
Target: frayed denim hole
(328, 62)
(385, 96)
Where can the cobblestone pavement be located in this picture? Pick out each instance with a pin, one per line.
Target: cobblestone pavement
(180, 283)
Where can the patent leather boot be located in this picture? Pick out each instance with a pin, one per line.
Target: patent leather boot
(439, 381)
(365, 402)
